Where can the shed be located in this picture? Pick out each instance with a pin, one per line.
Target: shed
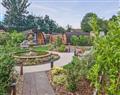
(54, 36)
(38, 36)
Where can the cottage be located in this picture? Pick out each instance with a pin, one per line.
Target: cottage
(38, 36)
(67, 36)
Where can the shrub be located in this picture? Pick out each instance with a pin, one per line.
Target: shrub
(74, 40)
(17, 37)
(84, 40)
(6, 69)
(58, 42)
(59, 79)
(62, 48)
(57, 70)
(4, 37)
(71, 87)
(76, 70)
(107, 60)
(81, 40)
(58, 76)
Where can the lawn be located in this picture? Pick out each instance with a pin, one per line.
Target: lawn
(42, 48)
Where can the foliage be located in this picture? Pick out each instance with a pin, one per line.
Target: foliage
(58, 42)
(75, 70)
(62, 48)
(16, 18)
(85, 22)
(59, 79)
(57, 71)
(4, 37)
(7, 61)
(107, 65)
(101, 23)
(84, 40)
(17, 37)
(58, 75)
(6, 69)
(45, 24)
(75, 40)
(42, 48)
(15, 12)
(81, 40)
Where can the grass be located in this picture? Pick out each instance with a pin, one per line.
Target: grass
(41, 48)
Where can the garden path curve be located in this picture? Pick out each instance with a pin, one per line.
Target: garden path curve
(65, 58)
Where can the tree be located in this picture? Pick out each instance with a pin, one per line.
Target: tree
(30, 22)
(114, 18)
(69, 27)
(60, 29)
(15, 13)
(85, 22)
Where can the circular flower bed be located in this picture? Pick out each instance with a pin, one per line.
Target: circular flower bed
(34, 58)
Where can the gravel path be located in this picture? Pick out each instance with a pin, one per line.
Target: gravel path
(65, 58)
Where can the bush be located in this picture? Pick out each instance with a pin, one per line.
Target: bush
(58, 42)
(59, 79)
(4, 37)
(84, 40)
(81, 40)
(71, 87)
(62, 48)
(58, 76)
(57, 70)
(107, 60)
(74, 40)
(76, 70)
(6, 69)
(17, 37)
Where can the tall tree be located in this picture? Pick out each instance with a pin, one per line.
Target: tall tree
(15, 12)
(85, 22)
(69, 27)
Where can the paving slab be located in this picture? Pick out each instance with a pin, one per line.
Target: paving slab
(37, 83)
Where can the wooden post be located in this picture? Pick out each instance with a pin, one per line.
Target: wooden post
(69, 47)
(75, 52)
(13, 91)
(52, 64)
(21, 69)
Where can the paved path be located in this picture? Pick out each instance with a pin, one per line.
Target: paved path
(65, 58)
(37, 84)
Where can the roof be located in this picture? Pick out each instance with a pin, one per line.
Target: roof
(70, 34)
(31, 31)
(56, 34)
(76, 30)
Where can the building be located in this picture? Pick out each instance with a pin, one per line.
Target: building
(38, 36)
(54, 36)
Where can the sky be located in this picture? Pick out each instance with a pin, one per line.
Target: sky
(70, 11)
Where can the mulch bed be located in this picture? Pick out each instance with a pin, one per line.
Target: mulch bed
(19, 85)
(83, 88)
